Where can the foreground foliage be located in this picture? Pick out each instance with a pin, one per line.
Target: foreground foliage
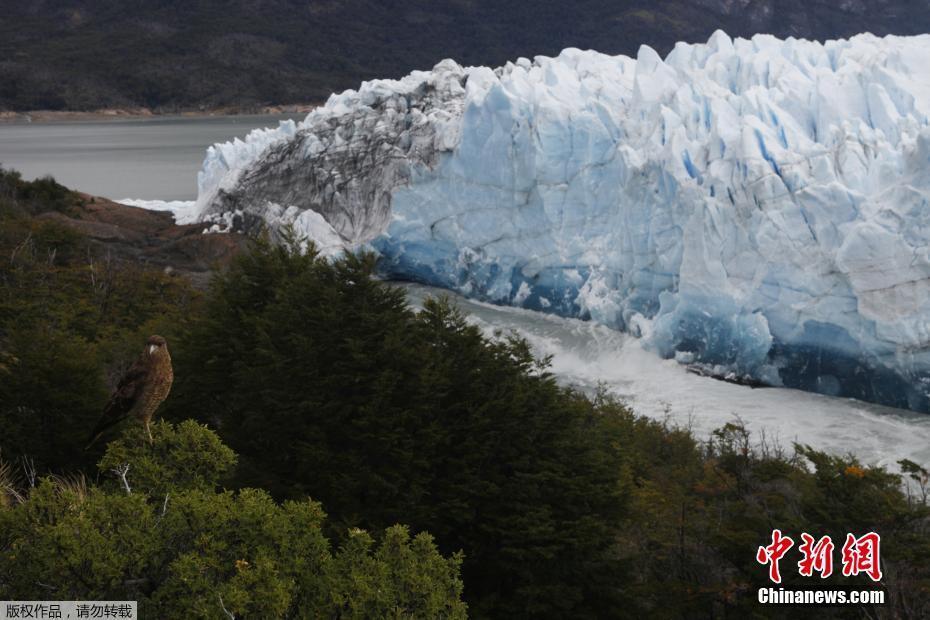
(165, 538)
(563, 505)
(329, 386)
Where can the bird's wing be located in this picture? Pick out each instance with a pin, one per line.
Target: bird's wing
(124, 397)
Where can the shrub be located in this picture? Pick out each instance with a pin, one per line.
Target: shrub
(194, 552)
(328, 384)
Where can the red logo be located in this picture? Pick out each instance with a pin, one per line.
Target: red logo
(817, 557)
(773, 553)
(860, 555)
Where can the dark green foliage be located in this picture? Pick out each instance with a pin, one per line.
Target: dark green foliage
(50, 394)
(185, 551)
(700, 511)
(333, 388)
(85, 54)
(18, 197)
(182, 457)
(328, 385)
(71, 321)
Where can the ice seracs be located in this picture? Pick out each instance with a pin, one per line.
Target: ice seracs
(759, 206)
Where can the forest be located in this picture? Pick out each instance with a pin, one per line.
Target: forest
(171, 55)
(327, 450)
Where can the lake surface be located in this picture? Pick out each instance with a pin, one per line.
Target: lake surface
(158, 159)
(148, 158)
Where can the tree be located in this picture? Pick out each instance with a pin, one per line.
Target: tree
(69, 322)
(168, 540)
(50, 397)
(327, 384)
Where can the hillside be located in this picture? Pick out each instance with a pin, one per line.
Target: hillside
(322, 382)
(174, 54)
(118, 232)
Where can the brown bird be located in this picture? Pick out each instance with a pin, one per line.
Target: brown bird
(141, 390)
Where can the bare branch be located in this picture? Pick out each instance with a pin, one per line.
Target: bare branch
(136, 582)
(9, 494)
(226, 611)
(18, 248)
(164, 509)
(121, 471)
(29, 468)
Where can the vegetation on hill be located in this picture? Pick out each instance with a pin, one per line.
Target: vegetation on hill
(183, 550)
(19, 198)
(168, 54)
(325, 384)
(392, 415)
(71, 320)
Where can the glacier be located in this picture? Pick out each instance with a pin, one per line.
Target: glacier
(757, 207)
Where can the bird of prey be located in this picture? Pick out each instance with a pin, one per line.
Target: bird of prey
(141, 390)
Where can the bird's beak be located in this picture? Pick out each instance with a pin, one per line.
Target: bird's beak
(152, 348)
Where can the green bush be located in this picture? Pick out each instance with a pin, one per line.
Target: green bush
(182, 457)
(329, 385)
(19, 197)
(183, 550)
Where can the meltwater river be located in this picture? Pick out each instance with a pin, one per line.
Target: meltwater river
(158, 159)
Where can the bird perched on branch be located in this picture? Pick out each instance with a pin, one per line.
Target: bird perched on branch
(141, 390)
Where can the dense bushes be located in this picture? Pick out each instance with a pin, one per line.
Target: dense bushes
(71, 319)
(169, 541)
(329, 386)
(45, 194)
(700, 510)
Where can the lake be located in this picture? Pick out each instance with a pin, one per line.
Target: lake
(148, 158)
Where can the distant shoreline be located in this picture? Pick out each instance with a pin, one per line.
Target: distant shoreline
(115, 114)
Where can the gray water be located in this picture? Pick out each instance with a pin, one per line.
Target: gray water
(150, 158)
(590, 357)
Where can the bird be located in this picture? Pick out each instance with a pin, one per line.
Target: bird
(140, 390)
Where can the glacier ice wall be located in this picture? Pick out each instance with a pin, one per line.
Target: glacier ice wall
(760, 206)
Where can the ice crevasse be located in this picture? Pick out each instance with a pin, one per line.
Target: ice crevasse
(760, 207)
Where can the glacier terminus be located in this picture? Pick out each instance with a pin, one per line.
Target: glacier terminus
(760, 208)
